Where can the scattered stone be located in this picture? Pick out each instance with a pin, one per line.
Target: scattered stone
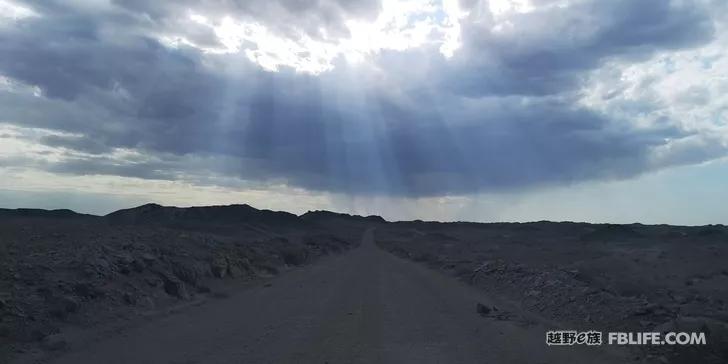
(137, 265)
(129, 298)
(188, 272)
(149, 259)
(54, 342)
(482, 309)
(63, 306)
(295, 256)
(124, 261)
(234, 271)
(175, 287)
(87, 290)
(146, 302)
(153, 281)
(219, 267)
(100, 266)
(533, 293)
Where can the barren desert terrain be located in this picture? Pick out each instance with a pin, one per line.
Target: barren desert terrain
(233, 284)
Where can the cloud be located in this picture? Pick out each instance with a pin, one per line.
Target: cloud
(318, 19)
(545, 51)
(532, 95)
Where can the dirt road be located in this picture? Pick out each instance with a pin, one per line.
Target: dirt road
(366, 306)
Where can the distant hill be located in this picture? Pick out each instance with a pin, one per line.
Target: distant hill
(40, 213)
(607, 232)
(323, 216)
(206, 218)
(207, 215)
(230, 216)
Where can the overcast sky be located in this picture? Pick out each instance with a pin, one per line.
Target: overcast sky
(588, 110)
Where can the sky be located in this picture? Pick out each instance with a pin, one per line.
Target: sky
(500, 110)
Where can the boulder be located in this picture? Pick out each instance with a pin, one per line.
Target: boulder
(219, 267)
(175, 287)
(234, 271)
(149, 259)
(237, 267)
(293, 255)
(482, 309)
(188, 272)
(138, 265)
(123, 262)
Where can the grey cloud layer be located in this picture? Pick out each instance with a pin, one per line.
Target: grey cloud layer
(545, 52)
(499, 115)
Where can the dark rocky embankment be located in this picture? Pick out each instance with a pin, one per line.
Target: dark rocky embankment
(60, 270)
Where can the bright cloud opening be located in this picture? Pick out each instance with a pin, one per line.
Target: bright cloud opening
(13, 11)
(400, 25)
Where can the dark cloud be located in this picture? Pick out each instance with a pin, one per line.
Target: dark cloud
(545, 52)
(109, 166)
(77, 143)
(499, 115)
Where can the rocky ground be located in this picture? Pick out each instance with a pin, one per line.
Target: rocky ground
(605, 277)
(60, 270)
